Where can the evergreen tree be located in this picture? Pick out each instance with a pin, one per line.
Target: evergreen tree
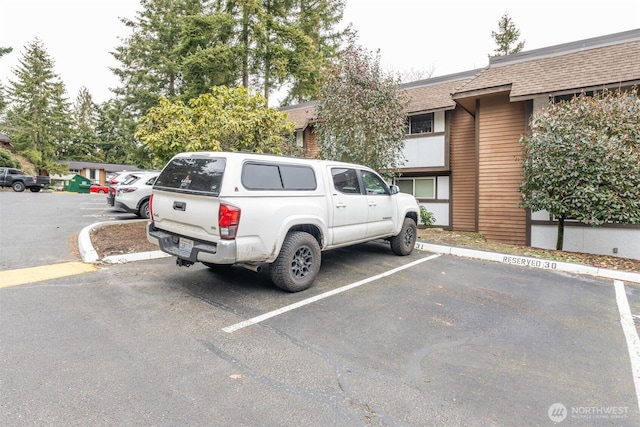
(506, 36)
(314, 48)
(179, 49)
(83, 146)
(3, 102)
(361, 116)
(285, 41)
(149, 57)
(38, 118)
(207, 56)
(115, 130)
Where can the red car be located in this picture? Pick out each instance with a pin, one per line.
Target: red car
(98, 188)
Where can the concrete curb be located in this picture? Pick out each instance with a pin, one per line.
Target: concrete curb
(90, 256)
(539, 263)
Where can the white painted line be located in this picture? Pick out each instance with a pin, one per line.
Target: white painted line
(258, 319)
(630, 333)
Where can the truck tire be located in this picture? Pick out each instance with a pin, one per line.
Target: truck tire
(34, 189)
(403, 243)
(18, 186)
(298, 263)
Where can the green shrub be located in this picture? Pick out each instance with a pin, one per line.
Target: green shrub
(427, 218)
(7, 159)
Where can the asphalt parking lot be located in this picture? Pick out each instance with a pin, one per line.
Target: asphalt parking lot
(378, 340)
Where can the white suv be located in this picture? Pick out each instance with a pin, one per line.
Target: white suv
(132, 195)
(248, 209)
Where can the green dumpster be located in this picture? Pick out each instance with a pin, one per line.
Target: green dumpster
(77, 184)
(84, 188)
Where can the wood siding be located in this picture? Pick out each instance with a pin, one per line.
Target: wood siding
(463, 170)
(500, 126)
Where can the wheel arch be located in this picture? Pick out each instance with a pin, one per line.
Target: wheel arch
(141, 201)
(314, 226)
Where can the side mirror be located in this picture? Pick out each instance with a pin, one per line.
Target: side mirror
(394, 189)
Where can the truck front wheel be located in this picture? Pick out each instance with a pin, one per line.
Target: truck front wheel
(298, 263)
(18, 186)
(403, 243)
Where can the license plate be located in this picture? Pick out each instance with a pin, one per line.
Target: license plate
(185, 245)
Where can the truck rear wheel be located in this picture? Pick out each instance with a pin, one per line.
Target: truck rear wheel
(18, 186)
(34, 189)
(298, 263)
(403, 243)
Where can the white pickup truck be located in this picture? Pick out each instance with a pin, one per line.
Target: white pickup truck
(250, 209)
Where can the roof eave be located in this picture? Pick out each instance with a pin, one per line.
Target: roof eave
(576, 90)
(467, 100)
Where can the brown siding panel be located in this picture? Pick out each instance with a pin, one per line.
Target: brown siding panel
(463, 170)
(501, 124)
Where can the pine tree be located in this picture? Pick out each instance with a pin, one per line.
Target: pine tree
(38, 117)
(149, 57)
(115, 129)
(83, 146)
(3, 102)
(506, 36)
(314, 48)
(208, 57)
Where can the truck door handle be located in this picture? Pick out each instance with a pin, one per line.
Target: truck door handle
(179, 206)
(341, 205)
(372, 204)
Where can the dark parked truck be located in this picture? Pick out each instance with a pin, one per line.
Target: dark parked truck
(16, 179)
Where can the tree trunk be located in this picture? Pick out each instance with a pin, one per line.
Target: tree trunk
(560, 240)
(245, 47)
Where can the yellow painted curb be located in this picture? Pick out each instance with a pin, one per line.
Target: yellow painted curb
(45, 272)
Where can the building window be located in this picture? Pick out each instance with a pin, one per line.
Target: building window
(420, 188)
(569, 97)
(421, 123)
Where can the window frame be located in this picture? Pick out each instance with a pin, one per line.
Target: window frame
(413, 186)
(410, 119)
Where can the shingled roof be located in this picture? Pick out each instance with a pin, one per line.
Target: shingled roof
(427, 95)
(435, 94)
(608, 61)
(300, 114)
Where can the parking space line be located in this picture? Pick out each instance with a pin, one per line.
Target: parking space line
(630, 333)
(23, 276)
(258, 319)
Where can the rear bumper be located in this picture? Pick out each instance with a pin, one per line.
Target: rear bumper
(121, 206)
(223, 252)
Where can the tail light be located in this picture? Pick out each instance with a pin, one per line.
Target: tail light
(228, 220)
(151, 207)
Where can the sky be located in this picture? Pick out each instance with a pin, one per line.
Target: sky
(412, 36)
